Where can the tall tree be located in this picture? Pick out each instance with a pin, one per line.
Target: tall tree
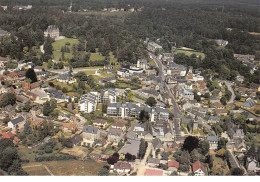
(190, 143)
(30, 73)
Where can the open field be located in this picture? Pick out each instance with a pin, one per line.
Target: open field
(57, 47)
(220, 167)
(65, 168)
(189, 52)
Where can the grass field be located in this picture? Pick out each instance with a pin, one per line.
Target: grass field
(57, 47)
(189, 52)
(35, 170)
(65, 168)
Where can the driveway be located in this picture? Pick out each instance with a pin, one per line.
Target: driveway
(233, 96)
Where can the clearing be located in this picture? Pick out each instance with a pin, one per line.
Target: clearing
(64, 168)
(59, 43)
(188, 52)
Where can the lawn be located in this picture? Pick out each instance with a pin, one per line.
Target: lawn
(189, 52)
(69, 168)
(98, 56)
(57, 47)
(123, 85)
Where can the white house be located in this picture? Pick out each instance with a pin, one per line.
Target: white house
(198, 169)
(17, 122)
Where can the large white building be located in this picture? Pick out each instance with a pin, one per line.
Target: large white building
(129, 109)
(142, 63)
(88, 102)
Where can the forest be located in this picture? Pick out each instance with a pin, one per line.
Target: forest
(171, 23)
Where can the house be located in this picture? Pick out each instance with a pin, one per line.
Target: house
(218, 105)
(198, 169)
(153, 162)
(131, 147)
(76, 139)
(88, 102)
(153, 172)
(213, 119)
(100, 122)
(122, 167)
(152, 46)
(70, 127)
(162, 131)
(66, 78)
(142, 63)
(52, 31)
(221, 42)
(252, 166)
(213, 142)
(167, 57)
(173, 165)
(16, 123)
(120, 126)
(90, 134)
(38, 68)
(156, 144)
(249, 103)
(4, 33)
(115, 135)
(8, 135)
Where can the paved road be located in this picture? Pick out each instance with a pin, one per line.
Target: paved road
(234, 158)
(75, 71)
(233, 96)
(141, 168)
(175, 107)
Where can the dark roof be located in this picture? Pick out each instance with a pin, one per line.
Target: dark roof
(156, 143)
(90, 129)
(154, 161)
(76, 139)
(17, 120)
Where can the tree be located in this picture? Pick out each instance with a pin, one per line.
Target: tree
(237, 172)
(103, 172)
(7, 99)
(185, 157)
(104, 108)
(47, 109)
(222, 143)
(142, 148)
(144, 116)
(252, 151)
(27, 129)
(195, 156)
(221, 153)
(113, 159)
(31, 75)
(223, 100)
(151, 102)
(190, 143)
(204, 146)
(27, 106)
(48, 46)
(10, 161)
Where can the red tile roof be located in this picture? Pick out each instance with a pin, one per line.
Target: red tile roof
(198, 165)
(173, 163)
(101, 121)
(8, 134)
(153, 172)
(12, 74)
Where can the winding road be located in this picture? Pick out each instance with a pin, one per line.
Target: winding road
(233, 96)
